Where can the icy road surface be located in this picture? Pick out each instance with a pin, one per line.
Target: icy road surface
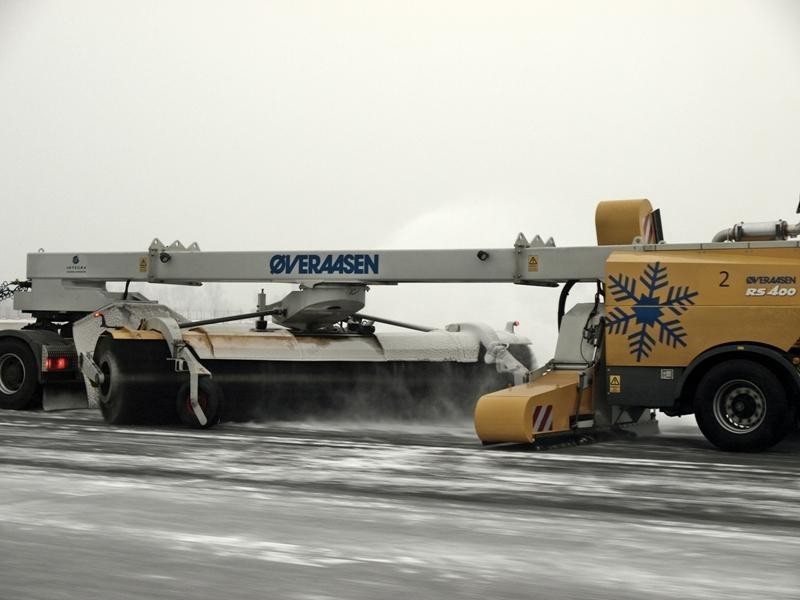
(329, 510)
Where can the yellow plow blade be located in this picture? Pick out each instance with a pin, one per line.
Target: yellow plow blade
(523, 412)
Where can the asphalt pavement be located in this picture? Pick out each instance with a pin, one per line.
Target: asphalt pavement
(365, 510)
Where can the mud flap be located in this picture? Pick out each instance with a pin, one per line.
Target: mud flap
(64, 396)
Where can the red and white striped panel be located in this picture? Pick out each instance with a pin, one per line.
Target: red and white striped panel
(543, 418)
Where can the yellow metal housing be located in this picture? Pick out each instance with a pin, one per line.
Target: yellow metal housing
(524, 412)
(618, 222)
(709, 297)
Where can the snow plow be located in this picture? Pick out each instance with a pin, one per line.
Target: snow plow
(709, 328)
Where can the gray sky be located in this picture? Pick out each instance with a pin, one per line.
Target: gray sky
(269, 125)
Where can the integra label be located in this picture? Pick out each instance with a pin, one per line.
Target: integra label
(328, 264)
(771, 279)
(77, 266)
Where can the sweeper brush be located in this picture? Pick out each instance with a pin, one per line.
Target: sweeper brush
(278, 375)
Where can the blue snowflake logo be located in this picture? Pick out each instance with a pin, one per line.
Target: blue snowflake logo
(649, 312)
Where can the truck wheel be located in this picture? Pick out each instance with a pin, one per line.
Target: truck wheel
(209, 397)
(741, 406)
(19, 384)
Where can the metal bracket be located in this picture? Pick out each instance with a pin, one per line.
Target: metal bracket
(185, 360)
(90, 369)
(537, 373)
(497, 352)
(586, 378)
(505, 362)
(520, 245)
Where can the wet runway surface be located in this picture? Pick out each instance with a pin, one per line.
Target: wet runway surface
(390, 510)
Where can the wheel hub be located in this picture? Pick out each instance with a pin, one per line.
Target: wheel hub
(12, 374)
(740, 406)
(105, 386)
(202, 401)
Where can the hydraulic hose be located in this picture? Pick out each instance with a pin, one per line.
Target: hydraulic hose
(260, 313)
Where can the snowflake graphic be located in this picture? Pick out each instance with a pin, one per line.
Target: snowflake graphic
(649, 312)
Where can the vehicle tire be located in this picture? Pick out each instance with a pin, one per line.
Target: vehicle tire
(19, 383)
(741, 406)
(209, 397)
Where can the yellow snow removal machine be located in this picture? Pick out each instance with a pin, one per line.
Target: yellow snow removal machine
(708, 328)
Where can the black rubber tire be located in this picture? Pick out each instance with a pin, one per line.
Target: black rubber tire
(209, 396)
(741, 406)
(139, 385)
(19, 383)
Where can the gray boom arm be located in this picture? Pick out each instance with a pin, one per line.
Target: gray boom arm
(63, 282)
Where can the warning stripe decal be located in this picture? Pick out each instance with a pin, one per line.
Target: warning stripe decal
(543, 418)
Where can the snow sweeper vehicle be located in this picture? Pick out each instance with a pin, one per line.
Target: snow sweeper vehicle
(710, 328)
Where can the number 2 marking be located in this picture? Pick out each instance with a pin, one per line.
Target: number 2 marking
(724, 282)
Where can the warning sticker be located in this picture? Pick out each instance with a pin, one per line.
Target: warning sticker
(614, 384)
(143, 264)
(533, 264)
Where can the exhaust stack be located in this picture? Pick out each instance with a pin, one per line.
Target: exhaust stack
(758, 232)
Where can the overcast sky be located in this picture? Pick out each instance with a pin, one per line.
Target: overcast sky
(298, 125)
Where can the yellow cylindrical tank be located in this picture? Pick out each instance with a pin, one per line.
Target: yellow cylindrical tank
(618, 222)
